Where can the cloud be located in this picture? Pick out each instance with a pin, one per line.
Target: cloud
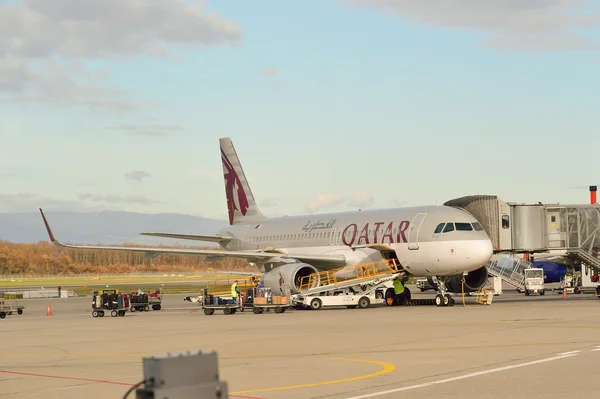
(116, 199)
(137, 175)
(109, 28)
(147, 130)
(58, 84)
(269, 72)
(360, 199)
(27, 202)
(323, 201)
(526, 25)
(43, 44)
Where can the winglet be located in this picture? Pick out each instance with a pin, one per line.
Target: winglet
(48, 227)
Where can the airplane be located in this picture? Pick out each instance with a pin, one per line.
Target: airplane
(441, 242)
(555, 272)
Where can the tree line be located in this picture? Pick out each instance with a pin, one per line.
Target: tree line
(47, 258)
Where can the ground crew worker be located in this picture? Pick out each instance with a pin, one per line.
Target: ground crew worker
(234, 292)
(399, 291)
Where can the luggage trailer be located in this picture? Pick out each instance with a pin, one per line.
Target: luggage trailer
(109, 301)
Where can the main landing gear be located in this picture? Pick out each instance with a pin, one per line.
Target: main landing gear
(443, 298)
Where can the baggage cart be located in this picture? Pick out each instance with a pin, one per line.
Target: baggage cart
(139, 301)
(142, 302)
(109, 301)
(4, 310)
(155, 299)
(264, 300)
(211, 303)
(7, 309)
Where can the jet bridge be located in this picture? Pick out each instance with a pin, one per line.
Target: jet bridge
(571, 232)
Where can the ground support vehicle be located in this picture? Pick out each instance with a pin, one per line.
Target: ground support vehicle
(424, 284)
(353, 293)
(142, 301)
(109, 301)
(4, 310)
(534, 281)
(7, 309)
(212, 303)
(264, 300)
(155, 300)
(139, 301)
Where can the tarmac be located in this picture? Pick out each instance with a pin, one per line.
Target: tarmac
(536, 347)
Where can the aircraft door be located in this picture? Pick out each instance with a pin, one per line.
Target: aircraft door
(413, 233)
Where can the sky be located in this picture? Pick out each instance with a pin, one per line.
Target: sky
(332, 105)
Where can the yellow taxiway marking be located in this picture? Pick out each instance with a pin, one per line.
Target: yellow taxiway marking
(387, 368)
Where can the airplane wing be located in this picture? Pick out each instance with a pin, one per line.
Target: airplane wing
(327, 260)
(219, 239)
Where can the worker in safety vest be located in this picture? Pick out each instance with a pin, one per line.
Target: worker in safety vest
(234, 291)
(399, 290)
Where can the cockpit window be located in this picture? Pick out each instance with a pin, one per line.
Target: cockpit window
(463, 226)
(449, 227)
(477, 226)
(439, 228)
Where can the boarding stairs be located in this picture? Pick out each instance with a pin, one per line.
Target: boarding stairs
(586, 258)
(365, 274)
(510, 270)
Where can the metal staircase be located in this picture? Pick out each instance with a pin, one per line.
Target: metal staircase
(586, 258)
(582, 234)
(510, 270)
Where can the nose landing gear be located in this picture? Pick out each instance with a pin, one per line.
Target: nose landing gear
(443, 298)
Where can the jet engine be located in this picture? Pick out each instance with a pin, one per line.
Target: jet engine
(289, 275)
(473, 281)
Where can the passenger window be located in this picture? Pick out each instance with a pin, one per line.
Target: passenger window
(439, 228)
(463, 227)
(449, 227)
(505, 222)
(477, 226)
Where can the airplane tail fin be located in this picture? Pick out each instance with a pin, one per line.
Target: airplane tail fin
(240, 200)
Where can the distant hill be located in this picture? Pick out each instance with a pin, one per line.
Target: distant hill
(105, 227)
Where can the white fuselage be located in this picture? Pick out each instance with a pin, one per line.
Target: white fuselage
(363, 236)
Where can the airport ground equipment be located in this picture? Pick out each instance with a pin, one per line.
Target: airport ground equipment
(264, 300)
(143, 301)
(189, 375)
(424, 284)
(155, 299)
(109, 301)
(534, 281)
(7, 309)
(354, 286)
(4, 310)
(212, 303)
(497, 285)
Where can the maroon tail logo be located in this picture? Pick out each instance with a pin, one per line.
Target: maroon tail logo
(232, 185)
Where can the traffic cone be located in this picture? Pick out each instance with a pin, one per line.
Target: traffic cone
(564, 292)
(49, 311)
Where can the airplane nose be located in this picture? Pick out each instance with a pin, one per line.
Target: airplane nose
(482, 252)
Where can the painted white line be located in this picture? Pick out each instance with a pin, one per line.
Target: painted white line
(596, 350)
(462, 377)
(568, 353)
